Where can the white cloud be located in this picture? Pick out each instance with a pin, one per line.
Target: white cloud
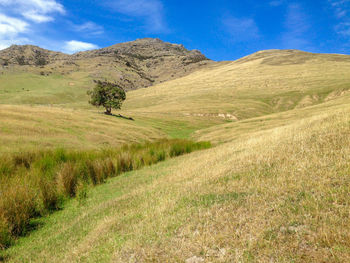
(74, 46)
(241, 29)
(33, 16)
(151, 11)
(10, 26)
(38, 11)
(18, 19)
(10, 29)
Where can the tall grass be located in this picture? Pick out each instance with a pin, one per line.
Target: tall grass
(36, 183)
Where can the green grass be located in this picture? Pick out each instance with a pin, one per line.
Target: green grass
(34, 89)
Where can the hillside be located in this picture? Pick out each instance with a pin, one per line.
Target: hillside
(253, 86)
(273, 188)
(276, 195)
(133, 65)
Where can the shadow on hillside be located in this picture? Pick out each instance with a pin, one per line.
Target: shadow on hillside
(123, 117)
(118, 116)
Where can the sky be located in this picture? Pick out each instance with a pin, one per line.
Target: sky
(220, 29)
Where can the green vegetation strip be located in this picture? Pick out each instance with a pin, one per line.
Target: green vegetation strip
(35, 184)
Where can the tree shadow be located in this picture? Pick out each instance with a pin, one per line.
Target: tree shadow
(123, 117)
(118, 116)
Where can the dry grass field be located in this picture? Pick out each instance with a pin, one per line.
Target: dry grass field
(279, 196)
(26, 128)
(275, 188)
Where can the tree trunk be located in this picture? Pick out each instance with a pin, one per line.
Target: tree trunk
(108, 111)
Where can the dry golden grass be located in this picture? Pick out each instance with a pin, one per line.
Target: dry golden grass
(279, 196)
(274, 189)
(26, 128)
(248, 88)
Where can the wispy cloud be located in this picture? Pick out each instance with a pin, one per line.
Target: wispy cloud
(342, 12)
(297, 28)
(151, 11)
(341, 7)
(276, 3)
(89, 28)
(240, 29)
(74, 46)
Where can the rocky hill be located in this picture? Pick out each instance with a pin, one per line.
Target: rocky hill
(29, 55)
(133, 65)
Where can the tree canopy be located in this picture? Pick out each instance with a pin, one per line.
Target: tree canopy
(108, 95)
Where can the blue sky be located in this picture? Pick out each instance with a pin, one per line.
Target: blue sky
(221, 29)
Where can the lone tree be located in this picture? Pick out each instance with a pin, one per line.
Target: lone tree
(108, 95)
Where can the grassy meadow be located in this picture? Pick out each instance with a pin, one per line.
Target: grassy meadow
(275, 188)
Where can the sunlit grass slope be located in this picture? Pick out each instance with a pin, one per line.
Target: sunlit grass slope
(34, 89)
(26, 128)
(278, 195)
(264, 83)
(245, 128)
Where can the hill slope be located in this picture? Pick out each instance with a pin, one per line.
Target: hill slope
(250, 87)
(216, 94)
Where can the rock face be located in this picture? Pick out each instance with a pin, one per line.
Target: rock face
(133, 65)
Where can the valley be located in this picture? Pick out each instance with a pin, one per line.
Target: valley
(273, 187)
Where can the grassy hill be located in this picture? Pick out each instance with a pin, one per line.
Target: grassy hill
(273, 189)
(253, 86)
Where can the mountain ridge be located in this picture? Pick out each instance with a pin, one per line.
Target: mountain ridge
(136, 64)
(140, 63)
